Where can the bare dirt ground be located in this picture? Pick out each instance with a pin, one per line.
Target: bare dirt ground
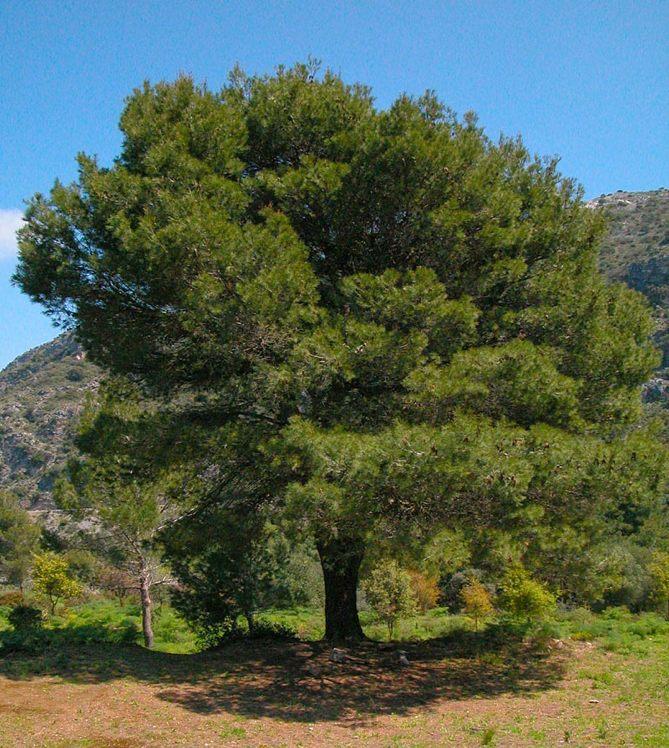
(276, 694)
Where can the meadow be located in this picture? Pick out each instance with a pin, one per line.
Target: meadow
(581, 679)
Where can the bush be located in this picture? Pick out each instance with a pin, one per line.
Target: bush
(267, 629)
(525, 598)
(477, 603)
(25, 617)
(90, 624)
(37, 640)
(213, 637)
(451, 591)
(425, 590)
(52, 579)
(659, 571)
(388, 590)
(11, 599)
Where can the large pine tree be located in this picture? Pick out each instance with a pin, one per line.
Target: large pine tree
(397, 321)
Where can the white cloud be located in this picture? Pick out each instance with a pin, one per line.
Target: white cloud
(10, 222)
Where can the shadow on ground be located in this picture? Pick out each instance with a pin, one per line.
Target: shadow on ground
(297, 682)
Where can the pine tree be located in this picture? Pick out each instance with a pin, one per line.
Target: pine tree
(386, 323)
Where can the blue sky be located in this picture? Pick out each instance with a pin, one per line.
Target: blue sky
(586, 80)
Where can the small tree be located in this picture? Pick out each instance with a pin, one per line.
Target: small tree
(476, 602)
(524, 597)
(19, 538)
(389, 592)
(659, 570)
(126, 504)
(425, 589)
(227, 565)
(52, 580)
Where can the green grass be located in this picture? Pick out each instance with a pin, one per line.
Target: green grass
(308, 623)
(616, 629)
(612, 691)
(106, 621)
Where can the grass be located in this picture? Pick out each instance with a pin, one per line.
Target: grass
(309, 624)
(582, 679)
(105, 621)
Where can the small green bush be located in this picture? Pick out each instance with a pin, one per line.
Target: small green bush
(389, 592)
(477, 603)
(266, 629)
(25, 618)
(524, 598)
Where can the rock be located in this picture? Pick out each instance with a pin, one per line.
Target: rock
(402, 658)
(337, 655)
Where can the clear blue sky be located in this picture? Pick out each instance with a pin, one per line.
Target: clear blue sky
(586, 80)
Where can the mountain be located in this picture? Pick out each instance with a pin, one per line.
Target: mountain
(636, 252)
(42, 394)
(43, 391)
(637, 242)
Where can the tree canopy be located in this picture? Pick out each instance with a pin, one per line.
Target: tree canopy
(381, 321)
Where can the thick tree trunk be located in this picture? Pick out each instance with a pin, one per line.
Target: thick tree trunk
(147, 614)
(341, 561)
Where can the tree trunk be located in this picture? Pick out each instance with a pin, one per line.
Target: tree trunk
(251, 621)
(147, 616)
(341, 561)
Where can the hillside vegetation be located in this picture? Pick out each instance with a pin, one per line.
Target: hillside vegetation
(41, 395)
(636, 251)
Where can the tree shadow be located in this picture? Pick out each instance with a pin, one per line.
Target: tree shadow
(295, 681)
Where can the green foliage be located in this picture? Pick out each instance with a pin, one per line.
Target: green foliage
(525, 598)
(389, 591)
(476, 602)
(19, 539)
(52, 579)
(659, 571)
(100, 622)
(379, 324)
(25, 617)
(228, 565)
(616, 628)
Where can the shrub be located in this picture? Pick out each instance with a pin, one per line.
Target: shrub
(425, 590)
(659, 571)
(25, 617)
(267, 629)
(525, 598)
(477, 603)
(388, 590)
(11, 599)
(52, 580)
(30, 641)
(451, 590)
(37, 639)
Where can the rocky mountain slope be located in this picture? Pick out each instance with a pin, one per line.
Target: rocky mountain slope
(636, 251)
(43, 391)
